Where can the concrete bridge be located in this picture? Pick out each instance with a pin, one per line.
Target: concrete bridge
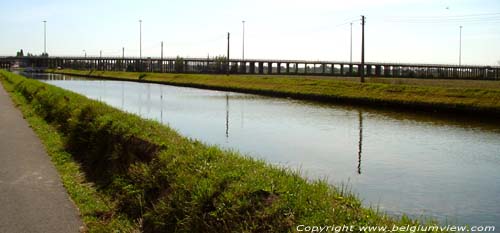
(251, 66)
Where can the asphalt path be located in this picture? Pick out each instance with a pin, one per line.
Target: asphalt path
(32, 197)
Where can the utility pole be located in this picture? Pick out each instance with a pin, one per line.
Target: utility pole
(44, 37)
(85, 53)
(362, 68)
(460, 48)
(350, 53)
(161, 51)
(123, 52)
(243, 39)
(100, 53)
(227, 70)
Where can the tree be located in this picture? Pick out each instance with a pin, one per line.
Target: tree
(179, 65)
(219, 64)
(20, 53)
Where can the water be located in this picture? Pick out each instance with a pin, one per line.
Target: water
(437, 167)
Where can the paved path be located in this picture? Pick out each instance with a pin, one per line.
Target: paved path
(32, 198)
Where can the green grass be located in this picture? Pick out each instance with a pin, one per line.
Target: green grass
(476, 97)
(121, 169)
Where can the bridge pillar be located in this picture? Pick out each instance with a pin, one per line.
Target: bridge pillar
(278, 70)
(243, 67)
(269, 67)
(287, 68)
(350, 70)
(387, 71)
(378, 71)
(252, 67)
(261, 67)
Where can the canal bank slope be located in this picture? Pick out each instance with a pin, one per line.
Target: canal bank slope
(32, 196)
(475, 97)
(167, 182)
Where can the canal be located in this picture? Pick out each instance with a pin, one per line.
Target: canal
(446, 168)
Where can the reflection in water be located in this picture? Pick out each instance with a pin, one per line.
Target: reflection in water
(360, 144)
(421, 165)
(227, 117)
(123, 95)
(161, 105)
(242, 106)
(149, 99)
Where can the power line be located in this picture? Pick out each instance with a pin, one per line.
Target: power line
(449, 16)
(447, 20)
(471, 18)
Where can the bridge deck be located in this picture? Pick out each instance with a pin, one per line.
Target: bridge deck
(254, 66)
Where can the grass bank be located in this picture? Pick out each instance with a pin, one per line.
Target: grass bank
(164, 182)
(98, 212)
(476, 97)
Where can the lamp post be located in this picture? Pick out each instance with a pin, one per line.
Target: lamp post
(85, 61)
(140, 39)
(350, 53)
(243, 56)
(44, 37)
(460, 48)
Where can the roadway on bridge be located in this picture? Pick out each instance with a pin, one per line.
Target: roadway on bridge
(32, 197)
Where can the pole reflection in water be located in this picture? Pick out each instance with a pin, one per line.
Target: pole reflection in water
(139, 98)
(227, 117)
(123, 95)
(242, 107)
(161, 105)
(148, 104)
(360, 142)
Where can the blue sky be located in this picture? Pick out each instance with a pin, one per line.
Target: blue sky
(416, 31)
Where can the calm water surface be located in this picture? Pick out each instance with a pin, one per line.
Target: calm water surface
(448, 169)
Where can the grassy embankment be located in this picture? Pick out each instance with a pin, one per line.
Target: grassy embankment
(463, 96)
(146, 176)
(97, 211)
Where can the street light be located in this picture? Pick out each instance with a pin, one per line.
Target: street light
(85, 62)
(140, 39)
(350, 54)
(460, 48)
(243, 22)
(44, 37)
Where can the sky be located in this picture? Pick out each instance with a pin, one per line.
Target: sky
(406, 31)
